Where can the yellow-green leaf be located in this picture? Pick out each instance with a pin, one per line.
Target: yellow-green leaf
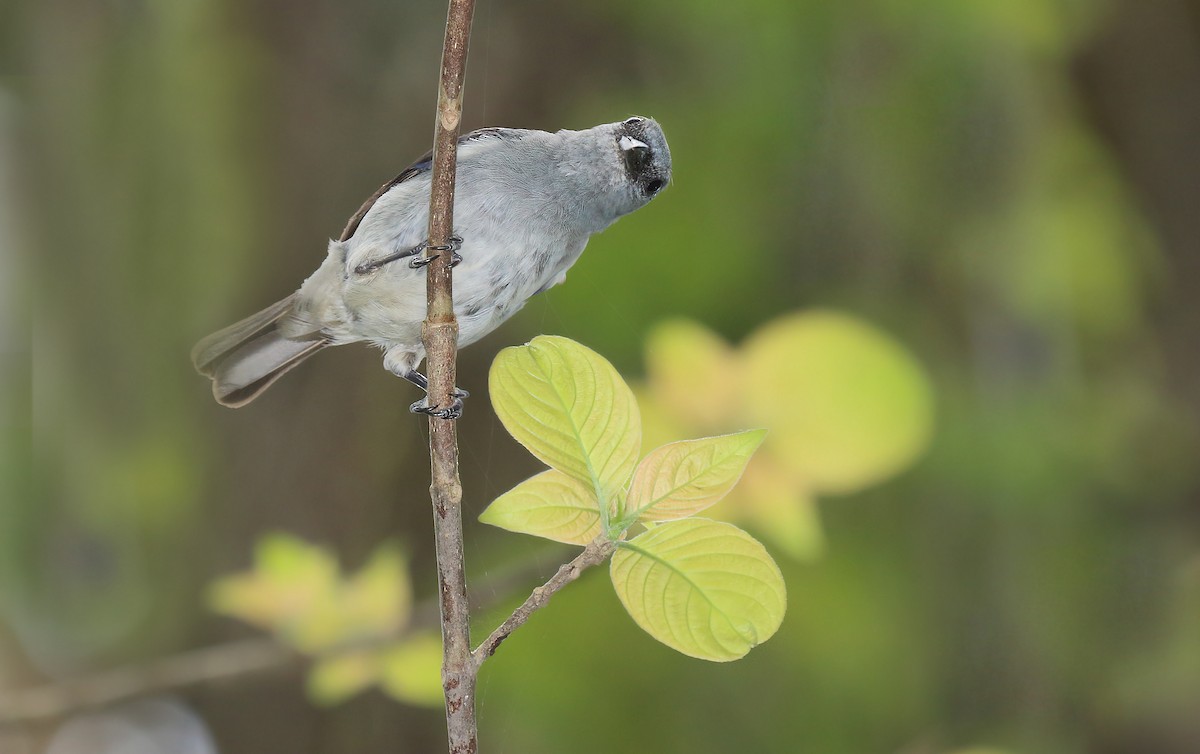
(335, 679)
(847, 406)
(412, 671)
(683, 478)
(704, 588)
(570, 408)
(551, 505)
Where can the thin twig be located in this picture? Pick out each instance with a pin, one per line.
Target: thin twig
(440, 335)
(594, 554)
(218, 663)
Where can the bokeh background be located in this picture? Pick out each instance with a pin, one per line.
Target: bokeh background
(1007, 188)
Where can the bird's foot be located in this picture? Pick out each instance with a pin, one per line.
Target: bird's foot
(423, 406)
(420, 260)
(453, 411)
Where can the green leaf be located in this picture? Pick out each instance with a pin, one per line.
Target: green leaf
(683, 478)
(704, 588)
(571, 409)
(335, 679)
(412, 671)
(551, 505)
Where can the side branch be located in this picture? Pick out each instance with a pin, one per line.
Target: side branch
(594, 554)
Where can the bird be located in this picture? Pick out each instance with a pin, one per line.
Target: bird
(526, 204)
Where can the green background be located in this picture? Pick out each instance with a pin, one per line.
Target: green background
(1007, 187)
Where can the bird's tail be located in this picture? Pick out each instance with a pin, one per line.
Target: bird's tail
(245, 358)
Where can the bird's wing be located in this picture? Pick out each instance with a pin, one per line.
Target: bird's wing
(423, 165)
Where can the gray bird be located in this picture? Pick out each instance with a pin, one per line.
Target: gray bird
(525, 205)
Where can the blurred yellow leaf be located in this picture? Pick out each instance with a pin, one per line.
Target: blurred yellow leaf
(846, 405)
(337, 678)
(777, 507)
(569, 407)
(704, 588)
(291, 578)
(551, 505)
(412, 671)
(660, 425)
(683, 478)
(693, 373)
(296, 590)
(378, 598)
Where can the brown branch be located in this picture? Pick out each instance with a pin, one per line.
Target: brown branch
(594, 554)
(440, 335)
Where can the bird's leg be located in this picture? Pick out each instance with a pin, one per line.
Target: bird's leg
(422, 382)
(417, 251)
(375, 264)
(453, 411)
(452, 247)
(417, 379)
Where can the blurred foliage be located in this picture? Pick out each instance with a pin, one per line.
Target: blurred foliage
(704, 588)
(1006, 187)
(846, 406)
(349, 624)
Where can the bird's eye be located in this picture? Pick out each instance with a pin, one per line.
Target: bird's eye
(636, 159)
(653, 187)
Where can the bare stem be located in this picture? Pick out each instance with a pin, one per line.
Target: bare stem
(440, 335)
(594, 554)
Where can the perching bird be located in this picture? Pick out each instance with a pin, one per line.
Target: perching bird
(525, 205)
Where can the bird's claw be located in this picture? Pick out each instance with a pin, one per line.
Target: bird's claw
(453, 411)
(421, 260)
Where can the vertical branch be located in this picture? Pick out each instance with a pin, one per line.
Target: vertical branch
(440, 335)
